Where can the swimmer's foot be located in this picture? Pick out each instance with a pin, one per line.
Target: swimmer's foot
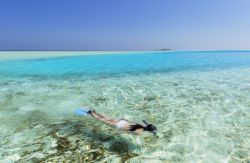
(91, 111)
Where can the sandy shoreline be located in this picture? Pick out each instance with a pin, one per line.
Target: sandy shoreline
(8, 55)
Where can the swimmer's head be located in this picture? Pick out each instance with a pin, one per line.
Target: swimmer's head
(150, 127)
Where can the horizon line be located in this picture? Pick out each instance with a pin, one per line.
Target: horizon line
(134, 50)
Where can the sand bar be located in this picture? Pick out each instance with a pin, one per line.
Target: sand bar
(8, 55)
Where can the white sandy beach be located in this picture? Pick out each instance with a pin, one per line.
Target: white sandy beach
(7, 55)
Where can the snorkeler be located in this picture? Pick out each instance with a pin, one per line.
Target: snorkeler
(122, 124)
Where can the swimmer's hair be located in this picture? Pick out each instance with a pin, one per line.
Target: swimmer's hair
(135, 127)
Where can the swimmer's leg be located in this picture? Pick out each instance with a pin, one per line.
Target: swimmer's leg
(103, 118)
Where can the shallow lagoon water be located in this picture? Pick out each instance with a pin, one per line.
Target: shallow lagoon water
(199, 101)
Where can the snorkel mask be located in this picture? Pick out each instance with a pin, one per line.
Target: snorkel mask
(150, 128)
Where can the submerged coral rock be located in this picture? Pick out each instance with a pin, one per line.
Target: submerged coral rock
(34, 160)
(31, 119)
(128, 156)
(101, 99)
(62, 144)
(35, 117)
(119, 147)
(150, 98)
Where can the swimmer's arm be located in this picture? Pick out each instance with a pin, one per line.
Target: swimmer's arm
(138, 131)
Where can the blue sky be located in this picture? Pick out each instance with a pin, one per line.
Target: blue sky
(124, 24)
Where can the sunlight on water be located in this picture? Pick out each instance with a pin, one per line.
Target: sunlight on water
(201, 110)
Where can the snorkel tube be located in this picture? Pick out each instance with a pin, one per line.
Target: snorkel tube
(150, 128)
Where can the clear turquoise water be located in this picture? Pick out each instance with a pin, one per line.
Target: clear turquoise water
(200, 102)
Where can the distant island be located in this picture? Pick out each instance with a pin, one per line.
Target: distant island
(166, 49)
(163, 49)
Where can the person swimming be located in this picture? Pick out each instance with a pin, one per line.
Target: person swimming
(124, 125)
